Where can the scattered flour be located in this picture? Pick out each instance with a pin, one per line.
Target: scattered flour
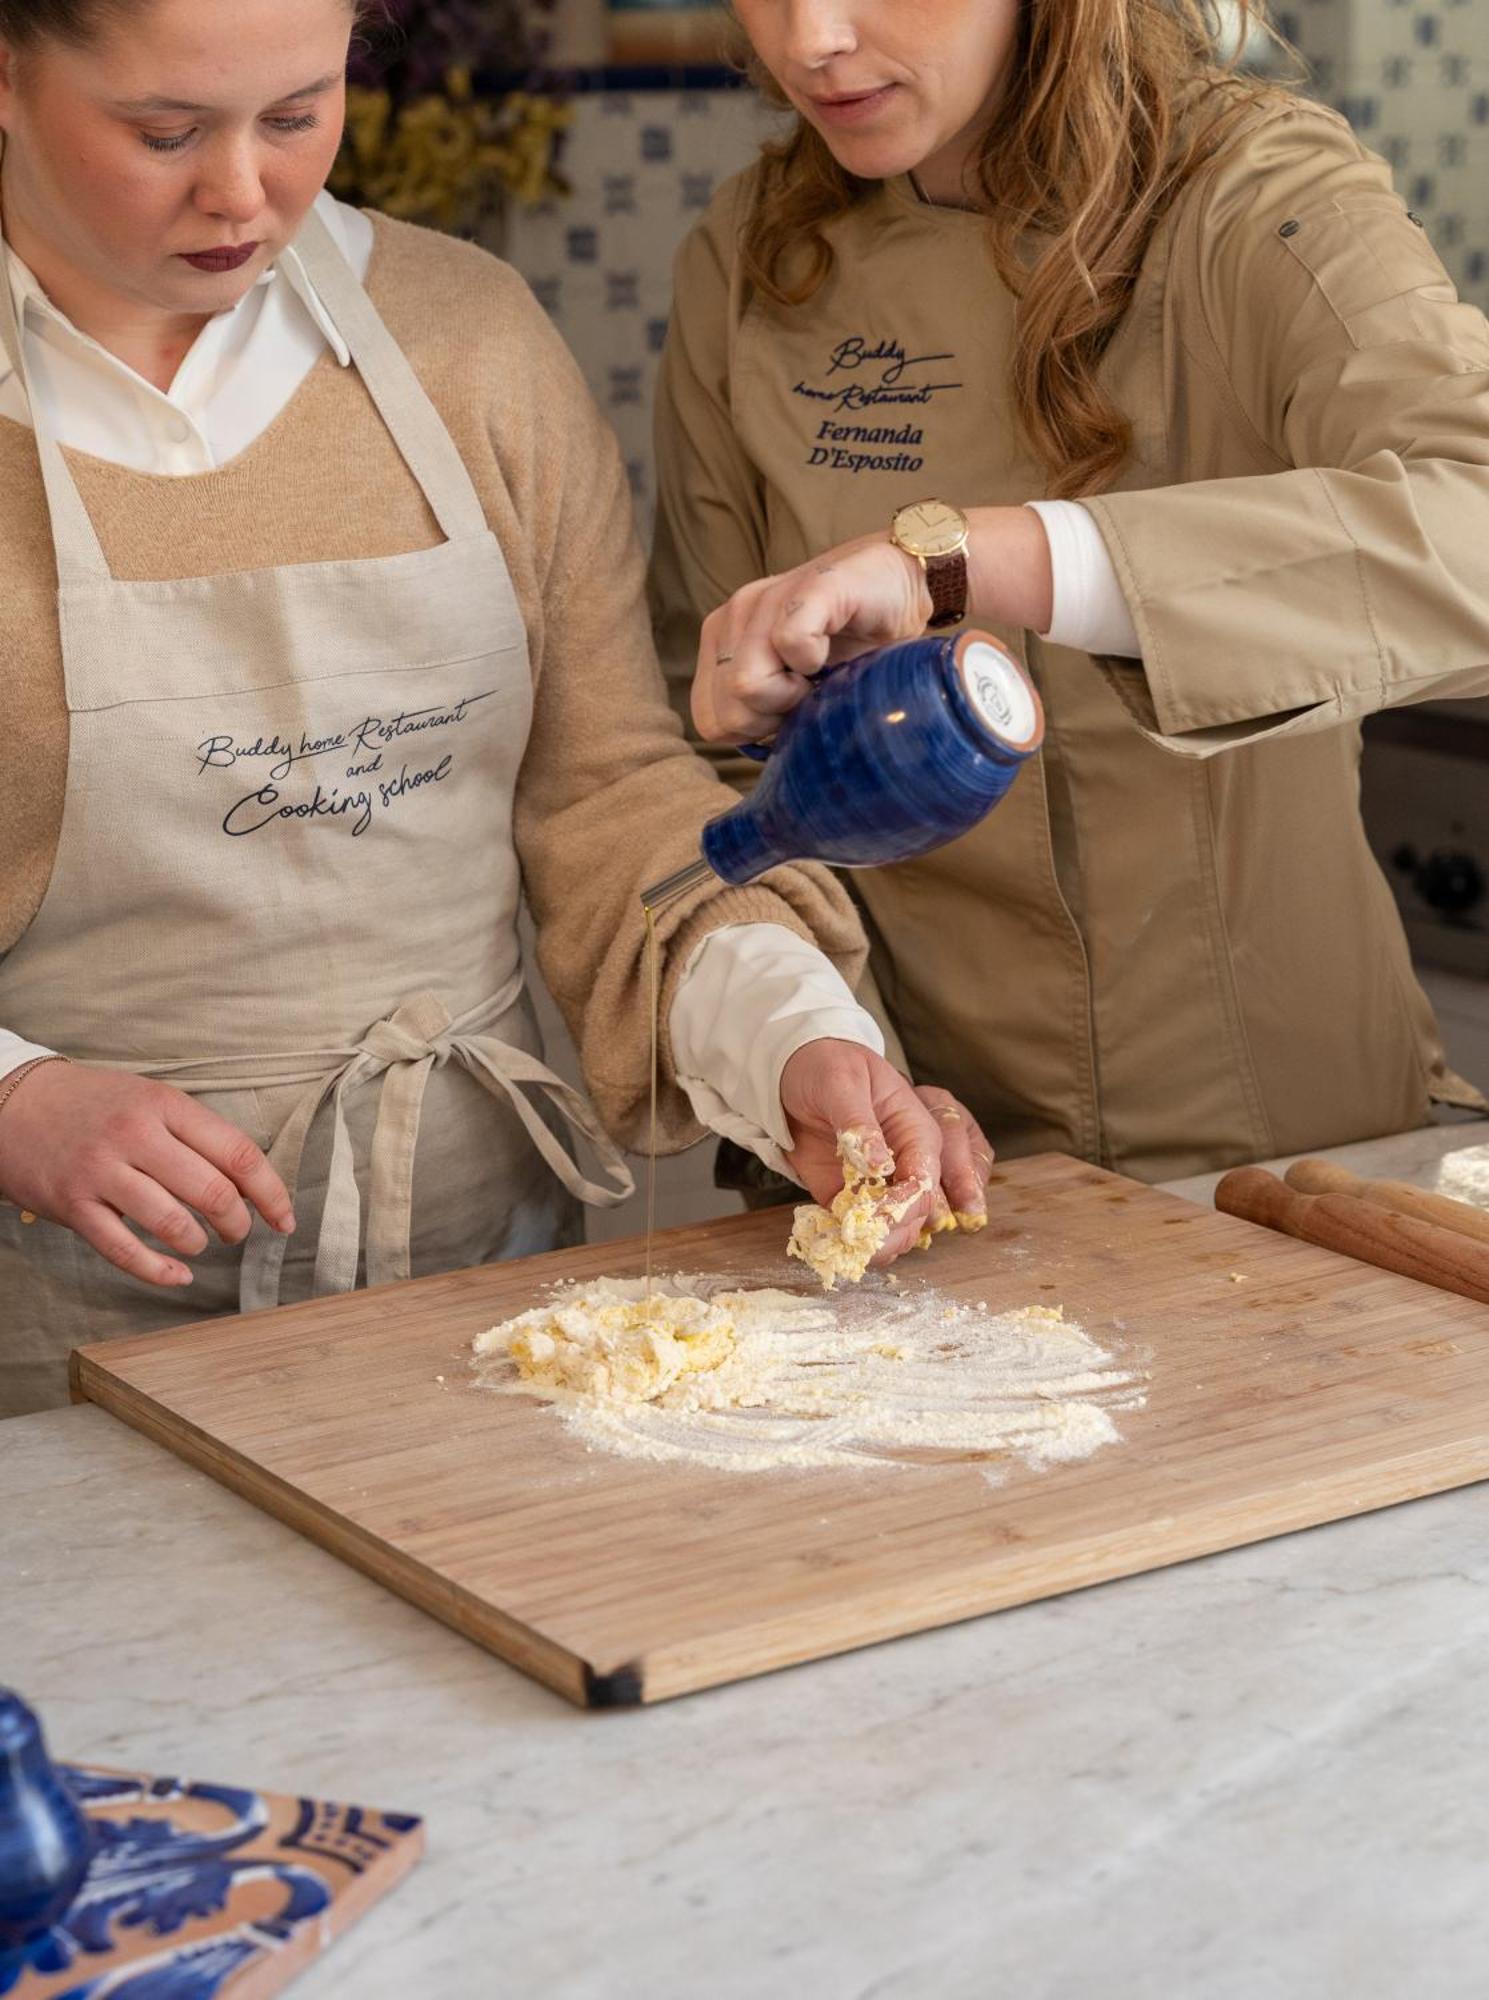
(1465, 1176)
(756, 1380)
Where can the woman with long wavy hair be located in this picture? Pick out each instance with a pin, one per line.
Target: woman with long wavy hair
(1044, 319)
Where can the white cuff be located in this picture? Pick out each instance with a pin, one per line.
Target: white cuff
(14, 1052)
(750, 996)
(1090, 612)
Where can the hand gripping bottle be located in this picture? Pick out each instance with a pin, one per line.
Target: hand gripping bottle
(888, 756)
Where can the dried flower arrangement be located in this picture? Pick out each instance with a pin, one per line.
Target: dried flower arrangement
(424, 140)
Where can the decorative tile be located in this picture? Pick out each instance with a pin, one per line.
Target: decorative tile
(643, 165)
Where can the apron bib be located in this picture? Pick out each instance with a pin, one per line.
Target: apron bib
(286, 884)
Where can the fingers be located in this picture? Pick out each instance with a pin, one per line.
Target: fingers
(757, 650)
(97, 1150)
(742, 696)
(141, 1199)
(240, 1165)
(740, 689)
(966, 1155)
(99, 1226)
(846, 1109)
(194, 1180)
(916, 1140)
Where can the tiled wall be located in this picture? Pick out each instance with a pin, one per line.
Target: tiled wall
(1412, 77)
(643, 166)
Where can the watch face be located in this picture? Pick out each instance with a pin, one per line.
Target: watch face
(930, 528)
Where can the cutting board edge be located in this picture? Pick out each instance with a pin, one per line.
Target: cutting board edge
(506, 1638)
(663, 1674)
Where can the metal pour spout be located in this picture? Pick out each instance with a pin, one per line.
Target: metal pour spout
(676, 884)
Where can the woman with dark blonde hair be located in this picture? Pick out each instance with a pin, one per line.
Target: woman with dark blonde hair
(324, 646)
(1055, 252)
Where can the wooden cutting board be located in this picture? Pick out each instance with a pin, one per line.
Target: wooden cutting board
(1289, 1386)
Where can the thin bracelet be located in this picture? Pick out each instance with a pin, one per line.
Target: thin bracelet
(18, 1076)
(11, 1084)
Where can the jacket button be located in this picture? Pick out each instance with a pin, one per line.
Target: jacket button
(1289, 229)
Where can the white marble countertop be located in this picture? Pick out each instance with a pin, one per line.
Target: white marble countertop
(1257, 1775)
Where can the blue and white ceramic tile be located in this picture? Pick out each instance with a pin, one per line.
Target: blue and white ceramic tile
(1413, 80)
(189, 1886)
(643, 166)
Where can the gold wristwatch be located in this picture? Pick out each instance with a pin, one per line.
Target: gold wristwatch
(935, 533)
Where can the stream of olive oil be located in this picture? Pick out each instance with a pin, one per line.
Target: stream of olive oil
(653, 1005)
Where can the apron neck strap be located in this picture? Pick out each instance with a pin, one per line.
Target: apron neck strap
(416, 426)
(79, 552)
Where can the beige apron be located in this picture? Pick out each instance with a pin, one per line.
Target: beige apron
(286, 884)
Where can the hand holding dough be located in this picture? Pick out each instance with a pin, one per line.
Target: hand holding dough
(843, 1240)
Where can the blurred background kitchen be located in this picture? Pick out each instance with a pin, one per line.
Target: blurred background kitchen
(580, 139)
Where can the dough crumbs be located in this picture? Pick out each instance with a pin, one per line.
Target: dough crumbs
(622, 1350)
(842, 1241)
(753, 1380)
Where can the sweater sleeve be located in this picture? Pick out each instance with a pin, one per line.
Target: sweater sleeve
(1347, 574)
(610, 797)
(709, 537)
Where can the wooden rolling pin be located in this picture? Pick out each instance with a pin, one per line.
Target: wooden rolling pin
(1320, 1177)
(1360, 1229)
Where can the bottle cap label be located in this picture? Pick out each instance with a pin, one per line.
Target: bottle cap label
(1000, 696)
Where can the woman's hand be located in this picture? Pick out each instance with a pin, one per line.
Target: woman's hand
(758, 651)
(87, 1147)
(921, 1136)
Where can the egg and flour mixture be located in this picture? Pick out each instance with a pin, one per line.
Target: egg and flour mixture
(761, 1379)
(843, 1240)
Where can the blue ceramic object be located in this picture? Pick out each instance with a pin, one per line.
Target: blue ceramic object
(45, 1840)
(889, 756)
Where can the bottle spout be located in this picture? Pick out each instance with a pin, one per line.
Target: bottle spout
(677, 884)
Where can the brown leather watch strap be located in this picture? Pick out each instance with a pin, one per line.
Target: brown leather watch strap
(946, 579)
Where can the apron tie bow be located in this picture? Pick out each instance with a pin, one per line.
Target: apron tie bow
(402, 1050)
(412, 1032)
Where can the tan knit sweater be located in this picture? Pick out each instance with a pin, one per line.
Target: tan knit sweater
(609, 797)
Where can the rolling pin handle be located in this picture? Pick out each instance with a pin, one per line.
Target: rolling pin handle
(1321, 1177)
(1257, 1196)
(1364, 1230)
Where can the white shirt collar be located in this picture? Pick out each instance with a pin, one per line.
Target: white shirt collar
(31, 301)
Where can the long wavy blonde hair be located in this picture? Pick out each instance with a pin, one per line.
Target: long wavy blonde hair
(1110, 107)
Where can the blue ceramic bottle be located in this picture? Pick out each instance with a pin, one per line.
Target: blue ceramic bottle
(45, 1841)
(888, 756)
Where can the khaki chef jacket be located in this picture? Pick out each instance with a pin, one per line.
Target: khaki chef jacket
(1152, 954)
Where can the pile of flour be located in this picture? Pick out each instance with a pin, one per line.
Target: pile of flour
(761, 1379)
